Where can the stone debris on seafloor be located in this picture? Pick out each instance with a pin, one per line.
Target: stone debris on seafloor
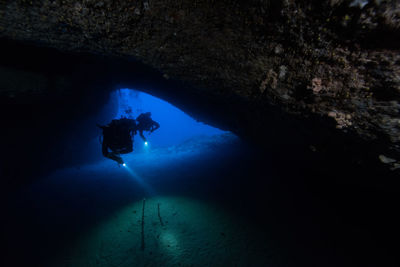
(386, 160)
(395, 166)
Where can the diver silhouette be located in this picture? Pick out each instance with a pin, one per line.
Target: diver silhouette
(118, 135)
(146, 123)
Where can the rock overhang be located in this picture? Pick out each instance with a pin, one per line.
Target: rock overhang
(318, 66)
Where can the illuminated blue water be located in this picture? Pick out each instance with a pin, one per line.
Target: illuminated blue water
(176, 126)
(81, 144)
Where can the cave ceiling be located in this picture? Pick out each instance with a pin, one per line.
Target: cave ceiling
(330, 63)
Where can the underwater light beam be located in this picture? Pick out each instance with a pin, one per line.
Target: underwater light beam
(140, 181)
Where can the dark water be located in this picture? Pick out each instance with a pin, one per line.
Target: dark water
(294, 211)
(303, 222)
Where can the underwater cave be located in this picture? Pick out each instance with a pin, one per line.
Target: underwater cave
(276, 145)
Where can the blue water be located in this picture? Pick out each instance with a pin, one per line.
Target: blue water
(176, 126)
(80, 143)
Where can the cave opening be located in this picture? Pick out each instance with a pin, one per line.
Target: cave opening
(176, 126)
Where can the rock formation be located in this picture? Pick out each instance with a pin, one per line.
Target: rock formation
(293, 70)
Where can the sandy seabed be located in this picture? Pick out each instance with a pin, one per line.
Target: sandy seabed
(190, 233)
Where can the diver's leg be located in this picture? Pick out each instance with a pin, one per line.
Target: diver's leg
(104, 149)
(115, 157)
(126, 150)
(111, 155)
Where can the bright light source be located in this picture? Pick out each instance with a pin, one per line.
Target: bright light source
(124, 164)
(145, 143)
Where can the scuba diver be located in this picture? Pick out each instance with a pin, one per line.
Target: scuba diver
(146, 123)
(118, 135)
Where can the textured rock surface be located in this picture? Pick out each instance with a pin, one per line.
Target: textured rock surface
(331, 64)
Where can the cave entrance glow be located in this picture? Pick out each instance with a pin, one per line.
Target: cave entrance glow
(176, 126)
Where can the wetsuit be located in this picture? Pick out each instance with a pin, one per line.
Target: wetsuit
(117, 137)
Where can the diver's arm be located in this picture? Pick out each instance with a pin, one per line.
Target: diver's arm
(141, 135)
(155, 126)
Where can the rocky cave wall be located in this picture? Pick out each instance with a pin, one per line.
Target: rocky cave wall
(267, 70)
